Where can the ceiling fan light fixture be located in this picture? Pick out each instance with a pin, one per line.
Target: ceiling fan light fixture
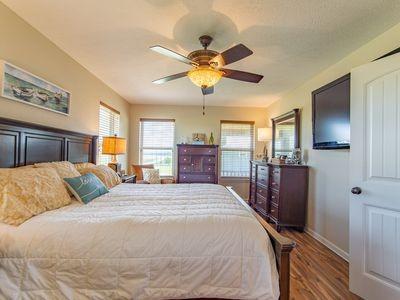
(205, 76)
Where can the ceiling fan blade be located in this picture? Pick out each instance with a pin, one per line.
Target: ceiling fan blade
(207, 91)
(164, 51)
(231, 55)
(170, 77)
(242, 76)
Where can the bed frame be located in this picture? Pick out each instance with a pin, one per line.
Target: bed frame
(23, 143)
(282, 246)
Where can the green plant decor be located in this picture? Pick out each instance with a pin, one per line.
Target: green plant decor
(211, 139)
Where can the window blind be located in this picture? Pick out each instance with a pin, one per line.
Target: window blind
(157, 138)
(109, 120)
(237, 148)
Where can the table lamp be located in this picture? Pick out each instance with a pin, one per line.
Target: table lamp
(114, 146)
(265, 135)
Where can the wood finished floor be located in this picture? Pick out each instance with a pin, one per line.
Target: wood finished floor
(316, 272)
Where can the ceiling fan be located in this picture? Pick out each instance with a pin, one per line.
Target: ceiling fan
(208, 65)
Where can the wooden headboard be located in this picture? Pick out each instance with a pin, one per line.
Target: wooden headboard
(24, 144)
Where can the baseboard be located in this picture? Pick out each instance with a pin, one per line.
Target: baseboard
(328, 244)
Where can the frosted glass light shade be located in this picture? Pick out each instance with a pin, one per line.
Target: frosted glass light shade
(264, 134)
(204, 76)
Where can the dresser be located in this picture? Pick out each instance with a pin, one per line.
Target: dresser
(197, 163)
(278, 192)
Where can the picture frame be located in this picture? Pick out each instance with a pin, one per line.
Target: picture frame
(22, 86)
(198, 138)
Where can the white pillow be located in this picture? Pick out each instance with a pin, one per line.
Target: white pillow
(151, 175)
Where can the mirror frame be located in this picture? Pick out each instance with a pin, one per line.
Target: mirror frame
(295, 113)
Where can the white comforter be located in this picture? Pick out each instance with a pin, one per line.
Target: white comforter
(141, 242)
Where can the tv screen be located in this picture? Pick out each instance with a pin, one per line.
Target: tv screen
(331, 115)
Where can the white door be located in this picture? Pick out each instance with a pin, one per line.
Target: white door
(375, 175)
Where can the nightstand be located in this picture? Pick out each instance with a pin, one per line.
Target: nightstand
(128, 178)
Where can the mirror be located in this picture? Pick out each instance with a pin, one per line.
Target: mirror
(286, 133)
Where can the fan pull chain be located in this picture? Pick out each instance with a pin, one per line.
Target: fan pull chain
(204, 105)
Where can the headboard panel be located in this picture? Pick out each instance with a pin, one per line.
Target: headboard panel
(24, 143)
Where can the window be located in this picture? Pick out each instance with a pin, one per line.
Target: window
(237, 147)
(157, 144)
(108, 126)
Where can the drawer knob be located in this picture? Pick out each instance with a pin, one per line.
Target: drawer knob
(192, 164)
(209, 159)
(273, 197)
(209, 177)
(273, 183)
(272, 210)
(184, 177)
(184, 150)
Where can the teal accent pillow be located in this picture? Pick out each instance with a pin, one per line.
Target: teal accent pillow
(86, 187)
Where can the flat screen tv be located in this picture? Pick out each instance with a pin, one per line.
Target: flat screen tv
(331, 115)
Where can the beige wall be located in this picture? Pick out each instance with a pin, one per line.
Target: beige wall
(189, 119)
(25, 47)
(328, 207)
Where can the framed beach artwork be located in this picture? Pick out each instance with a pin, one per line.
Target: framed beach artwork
(22, 86)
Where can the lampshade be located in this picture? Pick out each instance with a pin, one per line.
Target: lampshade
(113, 145)
(204, 76)
(264, 134)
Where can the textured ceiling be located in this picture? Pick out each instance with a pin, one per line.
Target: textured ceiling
(291, 40)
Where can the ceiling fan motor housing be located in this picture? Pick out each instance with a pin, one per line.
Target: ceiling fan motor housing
(202, 57)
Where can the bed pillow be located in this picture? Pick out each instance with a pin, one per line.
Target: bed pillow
(107, 175)
(80, 166)
(64, 169)
(87, 187)
(152, 176)
(25, 167)
(27, 192)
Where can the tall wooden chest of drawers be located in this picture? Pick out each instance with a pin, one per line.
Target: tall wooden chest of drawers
(279, 193)
(197, 163)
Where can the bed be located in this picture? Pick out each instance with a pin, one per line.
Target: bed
(138, 241)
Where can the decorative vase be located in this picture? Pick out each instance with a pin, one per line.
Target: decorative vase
(211, 139)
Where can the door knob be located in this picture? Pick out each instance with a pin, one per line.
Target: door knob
(356, 190)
